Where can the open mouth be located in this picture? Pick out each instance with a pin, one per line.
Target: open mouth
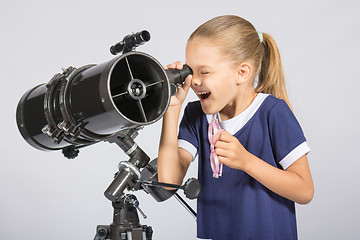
(203, 95)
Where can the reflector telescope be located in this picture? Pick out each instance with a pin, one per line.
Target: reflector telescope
(110, 102)
(95, 102)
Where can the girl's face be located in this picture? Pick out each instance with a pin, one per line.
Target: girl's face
(215, 76)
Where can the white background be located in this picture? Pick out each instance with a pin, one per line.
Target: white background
(45, 196)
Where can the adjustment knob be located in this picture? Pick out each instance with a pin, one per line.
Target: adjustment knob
(192, 188)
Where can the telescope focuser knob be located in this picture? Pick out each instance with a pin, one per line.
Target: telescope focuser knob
(192, 188)
(70, 152)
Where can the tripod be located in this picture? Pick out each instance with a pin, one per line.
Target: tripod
(126, 225)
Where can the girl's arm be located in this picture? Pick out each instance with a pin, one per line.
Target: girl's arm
(294, 183)
(173, 161)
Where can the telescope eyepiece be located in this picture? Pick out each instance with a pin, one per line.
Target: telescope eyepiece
(177, 77)
(130, 42)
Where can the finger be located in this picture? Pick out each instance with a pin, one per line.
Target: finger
(170, 66)
(179, 65)
(223, 160)
(221, 152)
(221, 144)
(225, 136)
(187, 83)
(183, 91)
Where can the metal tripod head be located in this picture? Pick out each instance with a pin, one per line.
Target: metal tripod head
(126, 223)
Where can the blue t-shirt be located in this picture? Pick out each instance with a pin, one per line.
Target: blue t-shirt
(236, 206)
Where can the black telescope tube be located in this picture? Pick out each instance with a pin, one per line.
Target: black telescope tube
(93, 103)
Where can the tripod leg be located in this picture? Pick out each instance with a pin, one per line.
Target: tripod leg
(185, 205)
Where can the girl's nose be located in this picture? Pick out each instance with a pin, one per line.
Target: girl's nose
(196, 80)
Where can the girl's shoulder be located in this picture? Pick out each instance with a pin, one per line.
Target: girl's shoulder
(273, 104)
(193, 113)
(194, 109)
(194, 105)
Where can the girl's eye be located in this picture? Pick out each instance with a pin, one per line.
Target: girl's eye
(204, 73)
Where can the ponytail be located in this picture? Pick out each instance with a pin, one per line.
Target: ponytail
(271, 76)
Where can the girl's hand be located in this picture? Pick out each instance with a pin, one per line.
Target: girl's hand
(294, 183)
(179, 98)
(231, 152)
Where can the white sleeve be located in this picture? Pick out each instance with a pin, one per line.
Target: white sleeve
(294, 155)
(188, 147)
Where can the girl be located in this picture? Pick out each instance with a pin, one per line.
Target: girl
(256, 168)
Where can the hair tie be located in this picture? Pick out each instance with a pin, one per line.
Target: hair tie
(260, 36)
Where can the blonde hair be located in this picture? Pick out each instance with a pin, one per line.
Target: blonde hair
(239, 40)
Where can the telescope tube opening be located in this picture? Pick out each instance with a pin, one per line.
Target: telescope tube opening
(139, 89)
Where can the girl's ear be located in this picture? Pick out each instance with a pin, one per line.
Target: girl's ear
(244, 71)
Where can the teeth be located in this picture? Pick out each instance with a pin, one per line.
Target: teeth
(203, 95)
